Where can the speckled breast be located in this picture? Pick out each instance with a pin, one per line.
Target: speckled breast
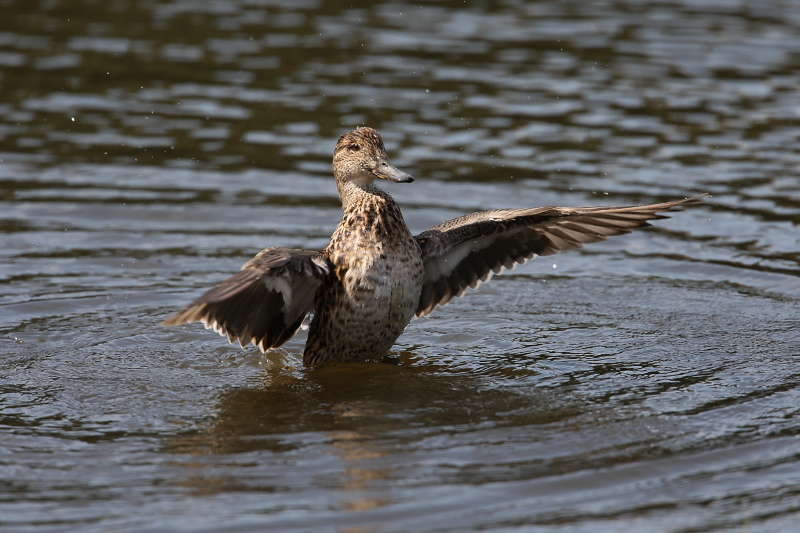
(378, 279)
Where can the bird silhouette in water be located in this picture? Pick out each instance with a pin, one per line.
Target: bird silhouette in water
(375, 276)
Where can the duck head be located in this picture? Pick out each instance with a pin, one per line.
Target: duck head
(360, 157)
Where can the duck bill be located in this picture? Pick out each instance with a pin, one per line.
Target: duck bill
(387, 171)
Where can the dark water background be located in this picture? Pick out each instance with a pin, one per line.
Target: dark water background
(651, 383)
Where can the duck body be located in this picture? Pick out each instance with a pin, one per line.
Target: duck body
(375, 276)
(373, 288)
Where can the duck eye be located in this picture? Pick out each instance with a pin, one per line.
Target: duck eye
(355, 147)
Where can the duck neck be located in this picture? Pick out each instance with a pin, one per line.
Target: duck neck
(369, 216)
(354, 194)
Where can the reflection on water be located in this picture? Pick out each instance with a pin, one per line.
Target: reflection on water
(364, 400)
(148, 149)
(347, 424)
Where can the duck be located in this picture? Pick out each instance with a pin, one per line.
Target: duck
(374, 276)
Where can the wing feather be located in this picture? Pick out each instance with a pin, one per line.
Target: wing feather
(464, 252)
(265, 303)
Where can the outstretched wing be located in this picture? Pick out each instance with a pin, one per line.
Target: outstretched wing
(461, 253)
(265, 303)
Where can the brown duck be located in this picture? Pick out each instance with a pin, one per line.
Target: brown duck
(374, 276)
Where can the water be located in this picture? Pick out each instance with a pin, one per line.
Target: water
(650, 383)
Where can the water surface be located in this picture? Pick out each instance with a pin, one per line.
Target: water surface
(650, 383)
